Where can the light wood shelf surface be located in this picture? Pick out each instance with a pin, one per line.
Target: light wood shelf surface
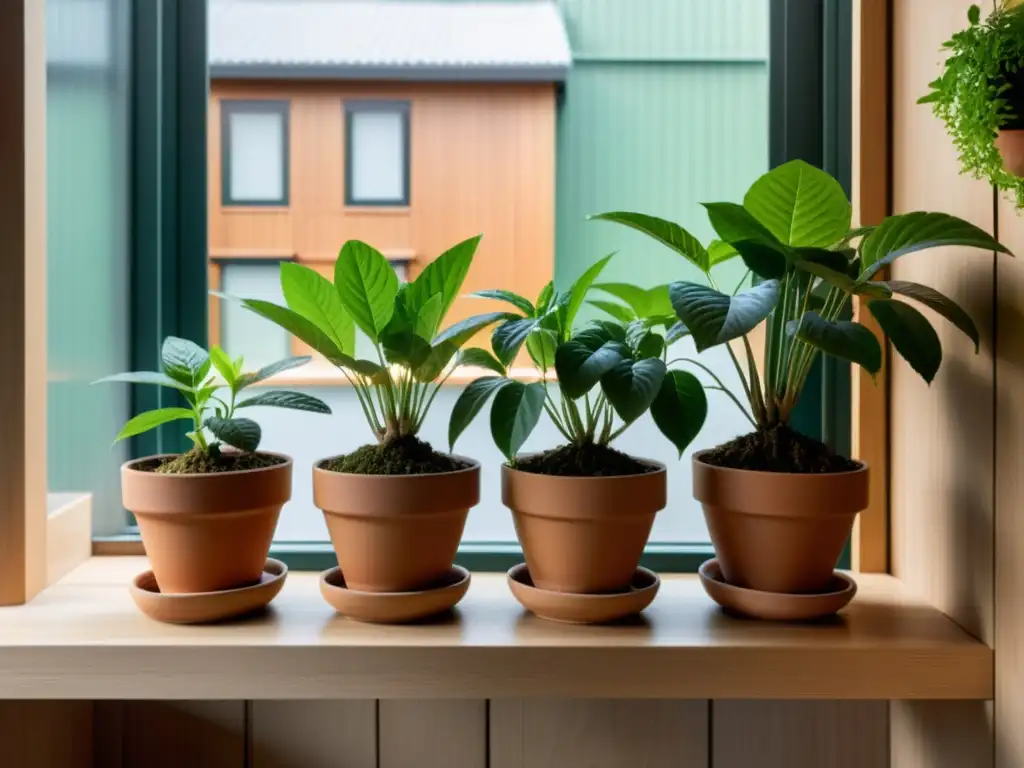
(84, 638)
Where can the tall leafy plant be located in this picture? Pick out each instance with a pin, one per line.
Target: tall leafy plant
(412, 358)
(793, 233)
(609, 372)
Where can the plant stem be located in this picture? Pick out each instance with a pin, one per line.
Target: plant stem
(721, 385)
(558, 424)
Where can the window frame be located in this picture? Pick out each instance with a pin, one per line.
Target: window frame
(231, 107)
(351, 108)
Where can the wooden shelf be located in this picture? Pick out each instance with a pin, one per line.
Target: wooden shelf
(84, 638)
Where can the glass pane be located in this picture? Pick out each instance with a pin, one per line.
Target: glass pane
(378, 156)
(245, 333)
(257, 165)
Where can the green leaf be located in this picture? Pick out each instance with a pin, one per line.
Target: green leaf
(841, 280)
(638, 299)
(665, 232)
(580, 365)
(310, 294)
(621, 313)
(150, 419)
(800, 205)
(544, 298)
(680, 408)
(715, 318)
(223, 364)
(368, 285)
(145, 377)
(649, 345)
(296, 401)
(469, 404)
(296, 325)
(940, 303)
(578, 291)
(481, 358)
(405, 348)
(974, 14)
(428, 318)
(438, 356)
(271, 369)
(542, 345)
(516, 410)
(241, 433)
(676, 332)
(185, 361)
(631, 386)
(847, 341)
(719, 252)
(444, 276)
(764, 260)
(519, 302)
(910, 232)
(464, 330)
(734, 223)
(911, 334)
(509, 337)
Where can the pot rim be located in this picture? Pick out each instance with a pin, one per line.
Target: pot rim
(863, 466)
(659, 469)
(129, 466)
(474, 466)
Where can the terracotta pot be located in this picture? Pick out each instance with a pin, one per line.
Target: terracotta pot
(396, 533)
(583, 535)
(776, 531)
(1010, 144)
(206, 533)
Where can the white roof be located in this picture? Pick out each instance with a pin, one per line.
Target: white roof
(389, 39)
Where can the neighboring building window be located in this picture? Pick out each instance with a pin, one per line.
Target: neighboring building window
(255, 152)
(241, 331)
(377, 153)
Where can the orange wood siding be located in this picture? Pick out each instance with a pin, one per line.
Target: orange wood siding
(482, 160)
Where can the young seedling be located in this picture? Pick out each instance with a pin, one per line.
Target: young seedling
(211, 403)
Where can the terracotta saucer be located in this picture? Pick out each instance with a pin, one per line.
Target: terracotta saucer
(394, 607)
(570, 608)
(776, 606)
(205, 607)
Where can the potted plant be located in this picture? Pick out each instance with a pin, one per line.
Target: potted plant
(207, 516)
(583, 511)
(395, 509)
(980, 96)
(779, 504)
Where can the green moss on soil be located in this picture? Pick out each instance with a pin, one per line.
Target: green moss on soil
(587, 460)
(199, 463)
(778, 449)
(405, 455)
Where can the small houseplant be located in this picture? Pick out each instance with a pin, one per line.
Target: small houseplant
(780, 505)
(583, 511)
(395, 509)
(980, 96)
(207, 516)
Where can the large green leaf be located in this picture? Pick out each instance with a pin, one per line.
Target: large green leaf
(241, 433)
(185, 361)
(578, 291)
(541, 344)
(580, 365)
(940, 303)
(845, 340)
(734, 224)
(509, 337)
(631, 386)
(405, 348)
(481, 358)
(842, 281)
(516, 410)
(464, 330)
(765, 260)
(438, 356)
(680, 408)
(909, 232)
(223, 364)
(911, 334)
(272, 369)
(310, 294)
(368, 285)
(665, 232)
(620, 312)
(519, 302)
(715, 318)
(149, 419)
(295, 324)
(145, 377)
(444, 276)
(296, 401)
(720, 251)
(469, 404)
(800, 205)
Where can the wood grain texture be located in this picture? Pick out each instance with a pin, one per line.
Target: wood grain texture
(197, 734)
(788, 734)
(313, 734)
(433, 734)
(68, 533)
(46, 734)
(558, 733)
(84, 638)
(941, 734)
(23, 300)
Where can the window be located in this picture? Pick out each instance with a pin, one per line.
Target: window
(377, 153)
(255, 152)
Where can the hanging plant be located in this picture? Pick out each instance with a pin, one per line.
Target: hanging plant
(980, 96)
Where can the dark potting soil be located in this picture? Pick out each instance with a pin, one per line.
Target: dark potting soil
(587, 460)
(405, 455)
(199, 463)
(778, 449)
